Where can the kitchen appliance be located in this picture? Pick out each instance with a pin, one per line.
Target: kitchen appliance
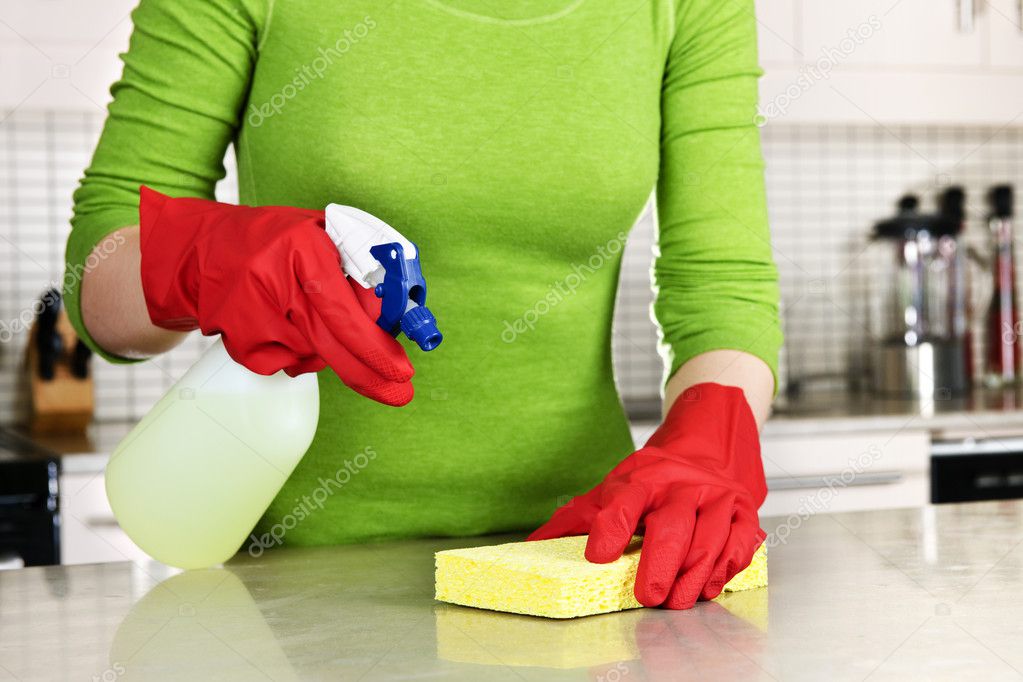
(192, 479)
(918, 315)
(971, 470)
(952, 205)
(29, 501)
(1003, 326)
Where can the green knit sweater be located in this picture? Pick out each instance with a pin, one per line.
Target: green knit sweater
(516, 143)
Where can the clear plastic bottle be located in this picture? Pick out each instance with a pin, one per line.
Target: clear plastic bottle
(193, 477)
(191, 480)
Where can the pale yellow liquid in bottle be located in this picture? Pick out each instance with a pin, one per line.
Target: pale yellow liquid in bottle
(192, 479)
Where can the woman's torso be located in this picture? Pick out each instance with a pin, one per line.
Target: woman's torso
(517, 152)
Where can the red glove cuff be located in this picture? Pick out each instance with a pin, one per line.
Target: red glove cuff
(173, 233)
(712, 425)
(170, 271)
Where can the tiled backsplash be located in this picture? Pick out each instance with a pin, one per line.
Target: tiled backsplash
(826, 187)
(43, 155)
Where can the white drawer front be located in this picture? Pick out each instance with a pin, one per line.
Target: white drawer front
(843, 472)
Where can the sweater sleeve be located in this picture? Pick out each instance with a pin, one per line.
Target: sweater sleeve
(175, 110)
(714, 276)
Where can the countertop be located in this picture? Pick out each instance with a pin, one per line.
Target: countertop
(85, 453)
(885, 595)
(981, 413)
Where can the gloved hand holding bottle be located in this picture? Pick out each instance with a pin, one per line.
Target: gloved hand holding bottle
(692, 491)
(287, 289)
(268, 280)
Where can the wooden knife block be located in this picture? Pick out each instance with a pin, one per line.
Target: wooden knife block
(64, 404)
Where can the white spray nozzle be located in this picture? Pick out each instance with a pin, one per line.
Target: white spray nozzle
(354, 232)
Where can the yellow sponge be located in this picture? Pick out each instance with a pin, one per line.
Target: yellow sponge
(552, 578)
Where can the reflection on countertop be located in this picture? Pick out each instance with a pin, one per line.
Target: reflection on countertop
(888, 594)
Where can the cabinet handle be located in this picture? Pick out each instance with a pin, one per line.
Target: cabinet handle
(966, 16)
(834, 480)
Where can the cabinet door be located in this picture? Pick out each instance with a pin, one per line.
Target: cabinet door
(837, 472)
(61, 54)
(889, 33)
(54, 22)
(776, 32)
(1005, 18)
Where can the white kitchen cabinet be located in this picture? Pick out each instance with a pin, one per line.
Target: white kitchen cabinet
(837, 472)
(48, 22)
(903, 33)
(898, 62)
(777, 37)
(1005, 21)
(61, 54)
(893, 98)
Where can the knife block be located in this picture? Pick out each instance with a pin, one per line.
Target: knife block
(63, 404)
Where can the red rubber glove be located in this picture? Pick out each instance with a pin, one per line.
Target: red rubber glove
(269, 280)
(692, 491)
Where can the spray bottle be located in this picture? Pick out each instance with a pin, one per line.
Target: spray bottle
(194, 476)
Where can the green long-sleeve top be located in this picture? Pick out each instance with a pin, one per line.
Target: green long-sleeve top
(516, 144)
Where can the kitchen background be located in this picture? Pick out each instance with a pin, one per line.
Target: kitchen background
(861, 103)
(836, 162)
(827, 184)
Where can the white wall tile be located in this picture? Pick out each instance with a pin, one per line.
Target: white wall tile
(826, 185)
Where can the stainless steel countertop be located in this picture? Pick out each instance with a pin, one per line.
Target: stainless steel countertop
(890, 595)
(982, 413)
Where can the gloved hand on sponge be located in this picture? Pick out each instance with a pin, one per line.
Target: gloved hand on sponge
(269, 280)
(692, 492)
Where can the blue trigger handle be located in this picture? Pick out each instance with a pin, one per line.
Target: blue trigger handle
(404, 285)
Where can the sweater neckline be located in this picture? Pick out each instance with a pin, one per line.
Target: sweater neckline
(523, 13)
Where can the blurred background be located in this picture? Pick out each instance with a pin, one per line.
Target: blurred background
(893, 136)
